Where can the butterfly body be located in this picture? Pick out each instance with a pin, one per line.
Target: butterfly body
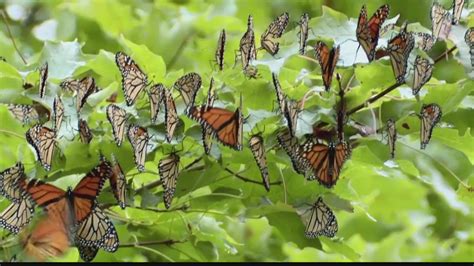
(219, 55)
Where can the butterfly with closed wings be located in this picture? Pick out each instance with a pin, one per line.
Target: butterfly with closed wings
(134, 80)
(368, 30)
(273, 32)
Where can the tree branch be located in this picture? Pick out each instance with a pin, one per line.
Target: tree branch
(151, 243)
(392, 87)
(11, 36)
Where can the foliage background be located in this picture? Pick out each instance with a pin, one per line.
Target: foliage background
(409, 209)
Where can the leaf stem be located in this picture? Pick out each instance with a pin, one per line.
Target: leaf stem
(11, 36)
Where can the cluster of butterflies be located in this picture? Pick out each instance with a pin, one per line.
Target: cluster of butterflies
(71, 216)
(320, 157)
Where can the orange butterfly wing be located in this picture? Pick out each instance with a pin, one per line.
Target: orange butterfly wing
(42, 194)
(225, 125)
(326, 161)
(327, 59)
(86, 192)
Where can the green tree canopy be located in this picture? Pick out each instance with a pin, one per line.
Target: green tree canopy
(415, 207)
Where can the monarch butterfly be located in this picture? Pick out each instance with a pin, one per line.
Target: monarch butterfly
(24, 113)
(70, 85)
(58, 113)
(368, 31)
(248, 52)
(42, 139)
(469, 38)
(117, 118)
(81, 199)
(88, 253)
(325, 161)
(79, 204)
(258, 150)
(138, 137)
(96, 230)
(20, 212)
(155, 94)
(85, 87)
(426, 41)
(84, 131)
(292, 108)
(423, 70)
(188, 85)
(225, 125)
(169, 172)
(327, 59)
(118, 183)
(207, 132)
(171, 116)
(321, 222)
(274, 31)
(304, 27)
(430, 115)
(220, 50)
(43, 76)
(440, 21)
(392, 136)
(293, 149)
(399, 48)
(50, 237)
(457, 10)
(279, 93)
(133, 78)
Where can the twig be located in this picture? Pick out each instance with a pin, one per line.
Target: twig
(11, 37)
(249, 180)
(182, 208)
(151, 243)
(391, 88)
(192, 163)
(149, 186)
